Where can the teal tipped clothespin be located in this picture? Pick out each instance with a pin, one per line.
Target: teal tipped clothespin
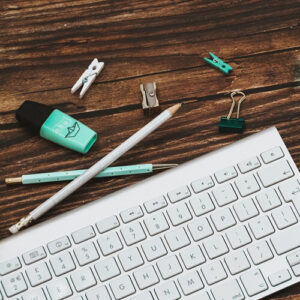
(218, 63)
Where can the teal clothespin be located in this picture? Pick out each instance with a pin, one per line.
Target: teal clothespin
(218, 63)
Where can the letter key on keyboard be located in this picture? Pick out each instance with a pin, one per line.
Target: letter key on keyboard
(107, 269)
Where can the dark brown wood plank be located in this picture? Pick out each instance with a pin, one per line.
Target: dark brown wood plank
(45, 46)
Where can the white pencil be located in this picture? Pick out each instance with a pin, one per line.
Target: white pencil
(95, 169)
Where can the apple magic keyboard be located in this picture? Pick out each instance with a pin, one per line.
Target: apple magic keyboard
(224, 226)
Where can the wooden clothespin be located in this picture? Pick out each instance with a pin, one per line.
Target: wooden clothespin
(150, 102)
(218, 64)
(88, 77)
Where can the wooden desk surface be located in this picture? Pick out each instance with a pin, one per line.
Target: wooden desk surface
(46, 45)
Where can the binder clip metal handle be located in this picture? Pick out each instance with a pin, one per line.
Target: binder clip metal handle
(150, 102)
(218, 63)
(229, 124)
(88, 77)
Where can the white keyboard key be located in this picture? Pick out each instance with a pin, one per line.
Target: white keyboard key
(261, 227)
(268, 200)
(226, 174)
(224, 194)
(99, 293)
(247, 185)
(62, 263)
(122, 287)
(167, 291)
(86, 253)
(294, 258)
(83, 234)
(192, 256)
(76, 298)
(14, 284)
(143, 296)
(131, 214)
(223, 219)
(254, 282)
(284, 217)
(179, 214)
(275, 173)
(145, 277)
(290, 190)
(35, 294)
(260, 252)
(200, 229)
(190, 283)
(245, 209)
(107, 269)
(272, 154)
(294, 261)
(177, 239)
(202, 184)
(179, 194)
(215, 246)
(83, 279)
(200, 296)
(156, 223)
(202, 204)
(229, 291)
(38, 274)
(238, 237)
(34, 255)
(249, 164)
(108, 224)
(237, 262)
(155, 204)
(130, 259)
(110, 243)
(214, 272)
(280, 277)
(59, 289)
(133, 233)
(10, 266)
(59, 244)
(169, 266)
(286, 240)
(154, 248)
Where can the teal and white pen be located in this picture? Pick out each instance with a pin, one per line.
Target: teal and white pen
(70, 175)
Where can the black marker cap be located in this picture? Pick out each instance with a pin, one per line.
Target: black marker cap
(33, 114)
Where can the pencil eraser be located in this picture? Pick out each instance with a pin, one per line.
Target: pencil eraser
(13, 229)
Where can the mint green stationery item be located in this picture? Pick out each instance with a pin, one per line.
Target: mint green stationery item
(218, 64)
(56, 126)
(66, 131)
(70, 175)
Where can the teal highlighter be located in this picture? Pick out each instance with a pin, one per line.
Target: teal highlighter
(56, 126)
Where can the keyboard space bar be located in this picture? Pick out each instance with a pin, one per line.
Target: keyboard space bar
(287, 240)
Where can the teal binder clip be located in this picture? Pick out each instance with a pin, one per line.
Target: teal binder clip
(229, 124)
(218, 63)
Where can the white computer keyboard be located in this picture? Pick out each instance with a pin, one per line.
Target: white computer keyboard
(224, 226)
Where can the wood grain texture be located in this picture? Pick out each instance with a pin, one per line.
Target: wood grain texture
(45, 46)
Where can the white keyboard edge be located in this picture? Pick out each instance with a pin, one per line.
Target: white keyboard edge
(114, 203)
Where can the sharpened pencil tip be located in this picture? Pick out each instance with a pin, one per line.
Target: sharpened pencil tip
(173, 109)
